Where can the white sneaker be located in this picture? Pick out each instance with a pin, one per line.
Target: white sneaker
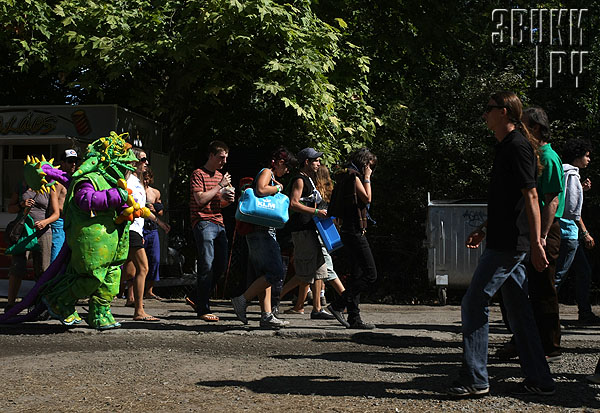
(270, 321)
(239, 307)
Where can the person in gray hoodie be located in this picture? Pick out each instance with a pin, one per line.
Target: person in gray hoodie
(576, 154)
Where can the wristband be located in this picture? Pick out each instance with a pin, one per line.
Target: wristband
(585, 234)
(366, 181)
(316, 211)
(222, 186)
(276, 189)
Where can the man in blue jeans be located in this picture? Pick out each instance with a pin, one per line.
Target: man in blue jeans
(513, 230)
(210, 191)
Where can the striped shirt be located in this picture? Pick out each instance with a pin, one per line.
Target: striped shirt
(202, 181)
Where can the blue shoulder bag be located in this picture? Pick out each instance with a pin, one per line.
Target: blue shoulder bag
(267, 211)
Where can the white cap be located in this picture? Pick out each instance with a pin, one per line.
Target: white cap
(70, 153)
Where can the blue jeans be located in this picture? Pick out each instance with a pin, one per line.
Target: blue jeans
(572, 257)
(265, 257)
(152, 247)
(58, 237)
(500, 270)
(211, 247)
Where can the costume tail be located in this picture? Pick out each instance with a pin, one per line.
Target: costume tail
(56, 268)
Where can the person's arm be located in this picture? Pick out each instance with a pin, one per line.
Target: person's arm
(296, 205)
(532, 208)
(204, 197)
(53, 204)
(263, 184)
(475, 237)
(548, 214)
(587, 238)
(363, 189)
(157, 201)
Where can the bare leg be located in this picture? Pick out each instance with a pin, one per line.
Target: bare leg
(139, 259)
(337, 286)
(265, 300)
(316, 290)
(129, 274)
(290, 285)
(259, 286)
(14, 284)
(302, 292)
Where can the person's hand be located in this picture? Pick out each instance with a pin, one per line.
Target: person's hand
(589, 242)
(28, 203)
(40, 225)
(228, 196)
(367, 172)
(226, 181)
(475, 238)
(151, 207)
(538, 257)
(166, 227)
(543, 242)
(322, 213)
(586, 185)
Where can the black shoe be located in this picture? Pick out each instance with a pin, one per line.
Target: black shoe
(588, 319)
(461, 390)
(321, 315)
(523, 389)
(507, 352)
(338, 316)
(360, 325)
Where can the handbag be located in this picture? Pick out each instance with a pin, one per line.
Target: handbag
(267, 211)
(14, 229)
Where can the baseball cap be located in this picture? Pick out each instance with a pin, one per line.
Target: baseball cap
(69, 153)
(308, 153)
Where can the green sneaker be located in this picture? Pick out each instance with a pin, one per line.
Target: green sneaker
(101, 318)
(66, 314)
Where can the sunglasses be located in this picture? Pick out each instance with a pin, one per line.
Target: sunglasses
(489, 108)
(143, 160)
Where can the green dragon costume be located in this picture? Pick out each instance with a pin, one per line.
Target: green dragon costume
(98, 210)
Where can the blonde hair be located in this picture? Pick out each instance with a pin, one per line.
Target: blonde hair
(324, 183)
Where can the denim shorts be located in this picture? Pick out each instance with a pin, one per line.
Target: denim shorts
(265, 257)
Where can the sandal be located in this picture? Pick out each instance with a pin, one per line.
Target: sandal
(211, 318)
(146, 318)
(152, 297)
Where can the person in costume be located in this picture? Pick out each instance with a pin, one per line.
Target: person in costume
(98, 210)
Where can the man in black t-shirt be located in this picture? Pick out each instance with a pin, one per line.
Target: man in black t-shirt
(513, 230)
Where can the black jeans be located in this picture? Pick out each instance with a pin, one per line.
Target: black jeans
(362, 273)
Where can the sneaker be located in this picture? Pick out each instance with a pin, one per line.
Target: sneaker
(360, 325)
(594, 378)
(270, 321)
(321, 315)
(523, 389)
(507, 351)
(275, 310)
(554, 356)
(588, 319)
(338, 316)
(462, 390)
(239, 307)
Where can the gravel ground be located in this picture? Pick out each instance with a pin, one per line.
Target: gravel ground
(180, 365)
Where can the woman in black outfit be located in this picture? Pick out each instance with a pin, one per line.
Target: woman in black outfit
(349, 202)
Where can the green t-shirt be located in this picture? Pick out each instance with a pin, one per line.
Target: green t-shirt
(552, 178)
